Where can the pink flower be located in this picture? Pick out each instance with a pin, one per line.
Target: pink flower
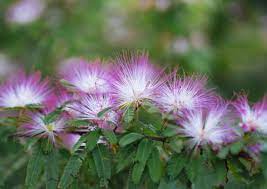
(68, 140)
(252, 118)
(90, 105)
(86, 77)
(59, 99)
(135, 80)
(207, 127)
(25, 11)
(254, 149)
(36, 126)
(186, 93)
(21, 90)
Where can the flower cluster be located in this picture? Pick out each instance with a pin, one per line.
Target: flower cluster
(100, 94)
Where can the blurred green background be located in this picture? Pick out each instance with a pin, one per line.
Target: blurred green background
(223, 39)
(226, 40)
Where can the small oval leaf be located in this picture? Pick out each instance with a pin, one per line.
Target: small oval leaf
(130, 138)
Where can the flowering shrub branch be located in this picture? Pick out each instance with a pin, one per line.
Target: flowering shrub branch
(133, 124)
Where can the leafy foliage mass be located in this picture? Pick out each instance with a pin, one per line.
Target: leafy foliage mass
(146, 155)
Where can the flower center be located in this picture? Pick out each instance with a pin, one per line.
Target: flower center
(50, 127)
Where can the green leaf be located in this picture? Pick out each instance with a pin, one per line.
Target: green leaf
(47, 145)
(150, 118)
(92, 139)
(236, 147)
(51, 117)
(207, 178)
(129, 182)
(264, 164)
(223, 153)
(204, 181)
(103, 112)
(235, 185)
(34, 168)
(129, 138)
(247, 164)
(52, 170)
(102, 161)
(171, 130)
(18, 162)
(77, 145)
(155, 165)
(71, 170)
(143, 151)
(148, 129)
(235, 171)
(110, 135)
(125, 158)
(77, 123)
(220, 172)
(194, 168)
(167, 185)
(138, 170)
(91, 165)
(176, 144)
(29, 143)
(128, 115)
(34, 106)
(175, 165)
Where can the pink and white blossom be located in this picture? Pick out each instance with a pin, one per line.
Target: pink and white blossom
(68, 140)
(135, 80)
(255, 149)
(86, 77)
(252, 118)
(89, 107)
(59, 99)
(185, 93)
(207, 127)
(36, 126)
(22, 90)
(25, 11)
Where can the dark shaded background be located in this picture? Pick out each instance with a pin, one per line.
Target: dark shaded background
(224, 39)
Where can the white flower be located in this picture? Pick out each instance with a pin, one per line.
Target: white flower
(187, 93)
(36, 127)
(252, 118)
(25, 11)
(21, 90)
(90, 105)
(86, 77)
(135, 80)
(207, 127)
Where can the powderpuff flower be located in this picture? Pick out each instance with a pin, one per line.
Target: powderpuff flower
(207, 127)
(252, 118)
(135, 80)
(21, 90)
(186, 93)
(86, 77)
(25, 11)
(59, 99)
(254, 149)
(36, 126)
(89, 107)
(68, 140)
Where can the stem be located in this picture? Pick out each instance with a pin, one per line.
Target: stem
(227, 170)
